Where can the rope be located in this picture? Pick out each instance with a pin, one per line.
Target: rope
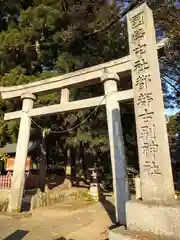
(76, 126)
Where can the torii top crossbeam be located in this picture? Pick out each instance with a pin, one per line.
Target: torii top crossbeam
(86, 76)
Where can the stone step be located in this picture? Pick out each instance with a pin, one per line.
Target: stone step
(120, 233)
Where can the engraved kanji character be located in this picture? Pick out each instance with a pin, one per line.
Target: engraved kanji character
(146, 116)
(140, 49)
(153, 168)
(144, 99)
(140, 65)
(147, 133)
(142, 81)
(138, 35)
(153, 149)
(145, 149)
(149, 149)
(137, 20)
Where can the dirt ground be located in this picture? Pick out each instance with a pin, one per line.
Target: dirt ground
(70, 220)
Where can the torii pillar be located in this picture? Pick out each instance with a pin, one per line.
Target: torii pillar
(17, 187)
(117, 151)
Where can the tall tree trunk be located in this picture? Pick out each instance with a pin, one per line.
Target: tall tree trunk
(78, 165)
(43, 163)
(84, 167)
(73, 164)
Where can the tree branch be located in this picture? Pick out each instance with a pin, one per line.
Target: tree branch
(166, 75)
(118, 17)
(171, 85)
(171, 65)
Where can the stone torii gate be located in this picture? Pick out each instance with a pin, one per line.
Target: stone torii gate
(142, 64)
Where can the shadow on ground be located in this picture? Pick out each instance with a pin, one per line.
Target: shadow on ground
(20, 234)
(17, 235)
(109, 207)
(62, 238)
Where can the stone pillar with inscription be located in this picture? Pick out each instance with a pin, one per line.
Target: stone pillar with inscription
(154, 157)
(157, 215)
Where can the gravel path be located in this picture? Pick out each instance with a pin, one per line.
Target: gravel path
(74, 220)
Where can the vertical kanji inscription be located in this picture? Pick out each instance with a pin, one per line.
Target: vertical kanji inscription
(153, 148)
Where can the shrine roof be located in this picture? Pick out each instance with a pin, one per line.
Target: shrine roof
(11, 147)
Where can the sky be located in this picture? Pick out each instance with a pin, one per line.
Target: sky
(170, 112)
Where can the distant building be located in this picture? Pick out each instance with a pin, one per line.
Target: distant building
(32, 169)
(10, 149)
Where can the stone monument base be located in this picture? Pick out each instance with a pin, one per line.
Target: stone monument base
(120, 233)
(156, 219)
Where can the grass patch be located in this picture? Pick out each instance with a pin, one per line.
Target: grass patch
(87, 196)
